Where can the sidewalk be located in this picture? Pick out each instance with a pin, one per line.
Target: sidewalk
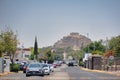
(117, 73)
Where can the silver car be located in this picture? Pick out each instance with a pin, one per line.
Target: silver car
(34, 69)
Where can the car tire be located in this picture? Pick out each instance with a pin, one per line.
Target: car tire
(48, 74)
(27, 75)
(42, 75)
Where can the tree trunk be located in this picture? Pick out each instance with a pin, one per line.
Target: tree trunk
(0, 54)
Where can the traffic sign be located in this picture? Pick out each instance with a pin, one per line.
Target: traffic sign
(111, 57)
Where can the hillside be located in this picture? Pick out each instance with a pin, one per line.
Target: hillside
(73, 40)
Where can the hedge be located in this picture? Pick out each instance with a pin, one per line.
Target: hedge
(14, 67)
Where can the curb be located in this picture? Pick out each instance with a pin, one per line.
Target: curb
(6, 73)
(100, 71)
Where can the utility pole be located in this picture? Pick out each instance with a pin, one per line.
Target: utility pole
(94, 46)
(88, 38)
(107, 46)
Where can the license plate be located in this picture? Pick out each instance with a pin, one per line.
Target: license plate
(33, 72)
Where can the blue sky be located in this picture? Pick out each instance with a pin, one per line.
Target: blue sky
(50, 20)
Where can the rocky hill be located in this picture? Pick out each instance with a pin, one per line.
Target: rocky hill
(74, 41)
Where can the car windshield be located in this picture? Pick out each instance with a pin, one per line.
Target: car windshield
(50, 64)
(34, 65)
(26, 64)
(45, 66)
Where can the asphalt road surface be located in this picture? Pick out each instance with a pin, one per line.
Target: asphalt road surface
(76, 73)
(19, 76)
(64, 73)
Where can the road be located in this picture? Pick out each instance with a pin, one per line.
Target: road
(19, 76)
(65, 73)
(76, 73)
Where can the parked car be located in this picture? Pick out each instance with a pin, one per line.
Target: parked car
(57, 63)
(46, 69)
(21, 66)
(75, 63)
(25, 67)
(21, 63)
(54, 64)
(34, 69)
(51, 67)
(66, 62)
(70, 63)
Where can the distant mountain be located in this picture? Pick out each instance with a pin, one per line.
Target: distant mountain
(74, 41)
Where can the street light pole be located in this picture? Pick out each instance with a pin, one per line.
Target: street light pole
(22, 49)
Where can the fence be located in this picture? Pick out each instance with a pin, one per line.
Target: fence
(111, 64)
(102, 63)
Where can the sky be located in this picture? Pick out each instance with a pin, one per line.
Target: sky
(50, 20)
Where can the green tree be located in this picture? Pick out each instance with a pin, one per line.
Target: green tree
(36, 49)
(97, 52)
(9, 42)
(95, 48)
(114, 44)
(1, 45)
(32, 53)
(50, 56)
(59, 50)
(31, 56)
(58, 56)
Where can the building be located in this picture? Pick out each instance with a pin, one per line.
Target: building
(23, 54)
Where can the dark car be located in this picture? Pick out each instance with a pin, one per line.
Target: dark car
(21, 67)
(22, 64)
(35, 69)
(71, 64)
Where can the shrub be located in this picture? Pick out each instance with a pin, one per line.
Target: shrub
(80, 63)
(14, 67)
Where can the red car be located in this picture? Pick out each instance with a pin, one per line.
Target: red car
(54, 65)
(25, 67)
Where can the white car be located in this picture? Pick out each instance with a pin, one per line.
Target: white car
(46, 69)
(51, 67)
(75, 63)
